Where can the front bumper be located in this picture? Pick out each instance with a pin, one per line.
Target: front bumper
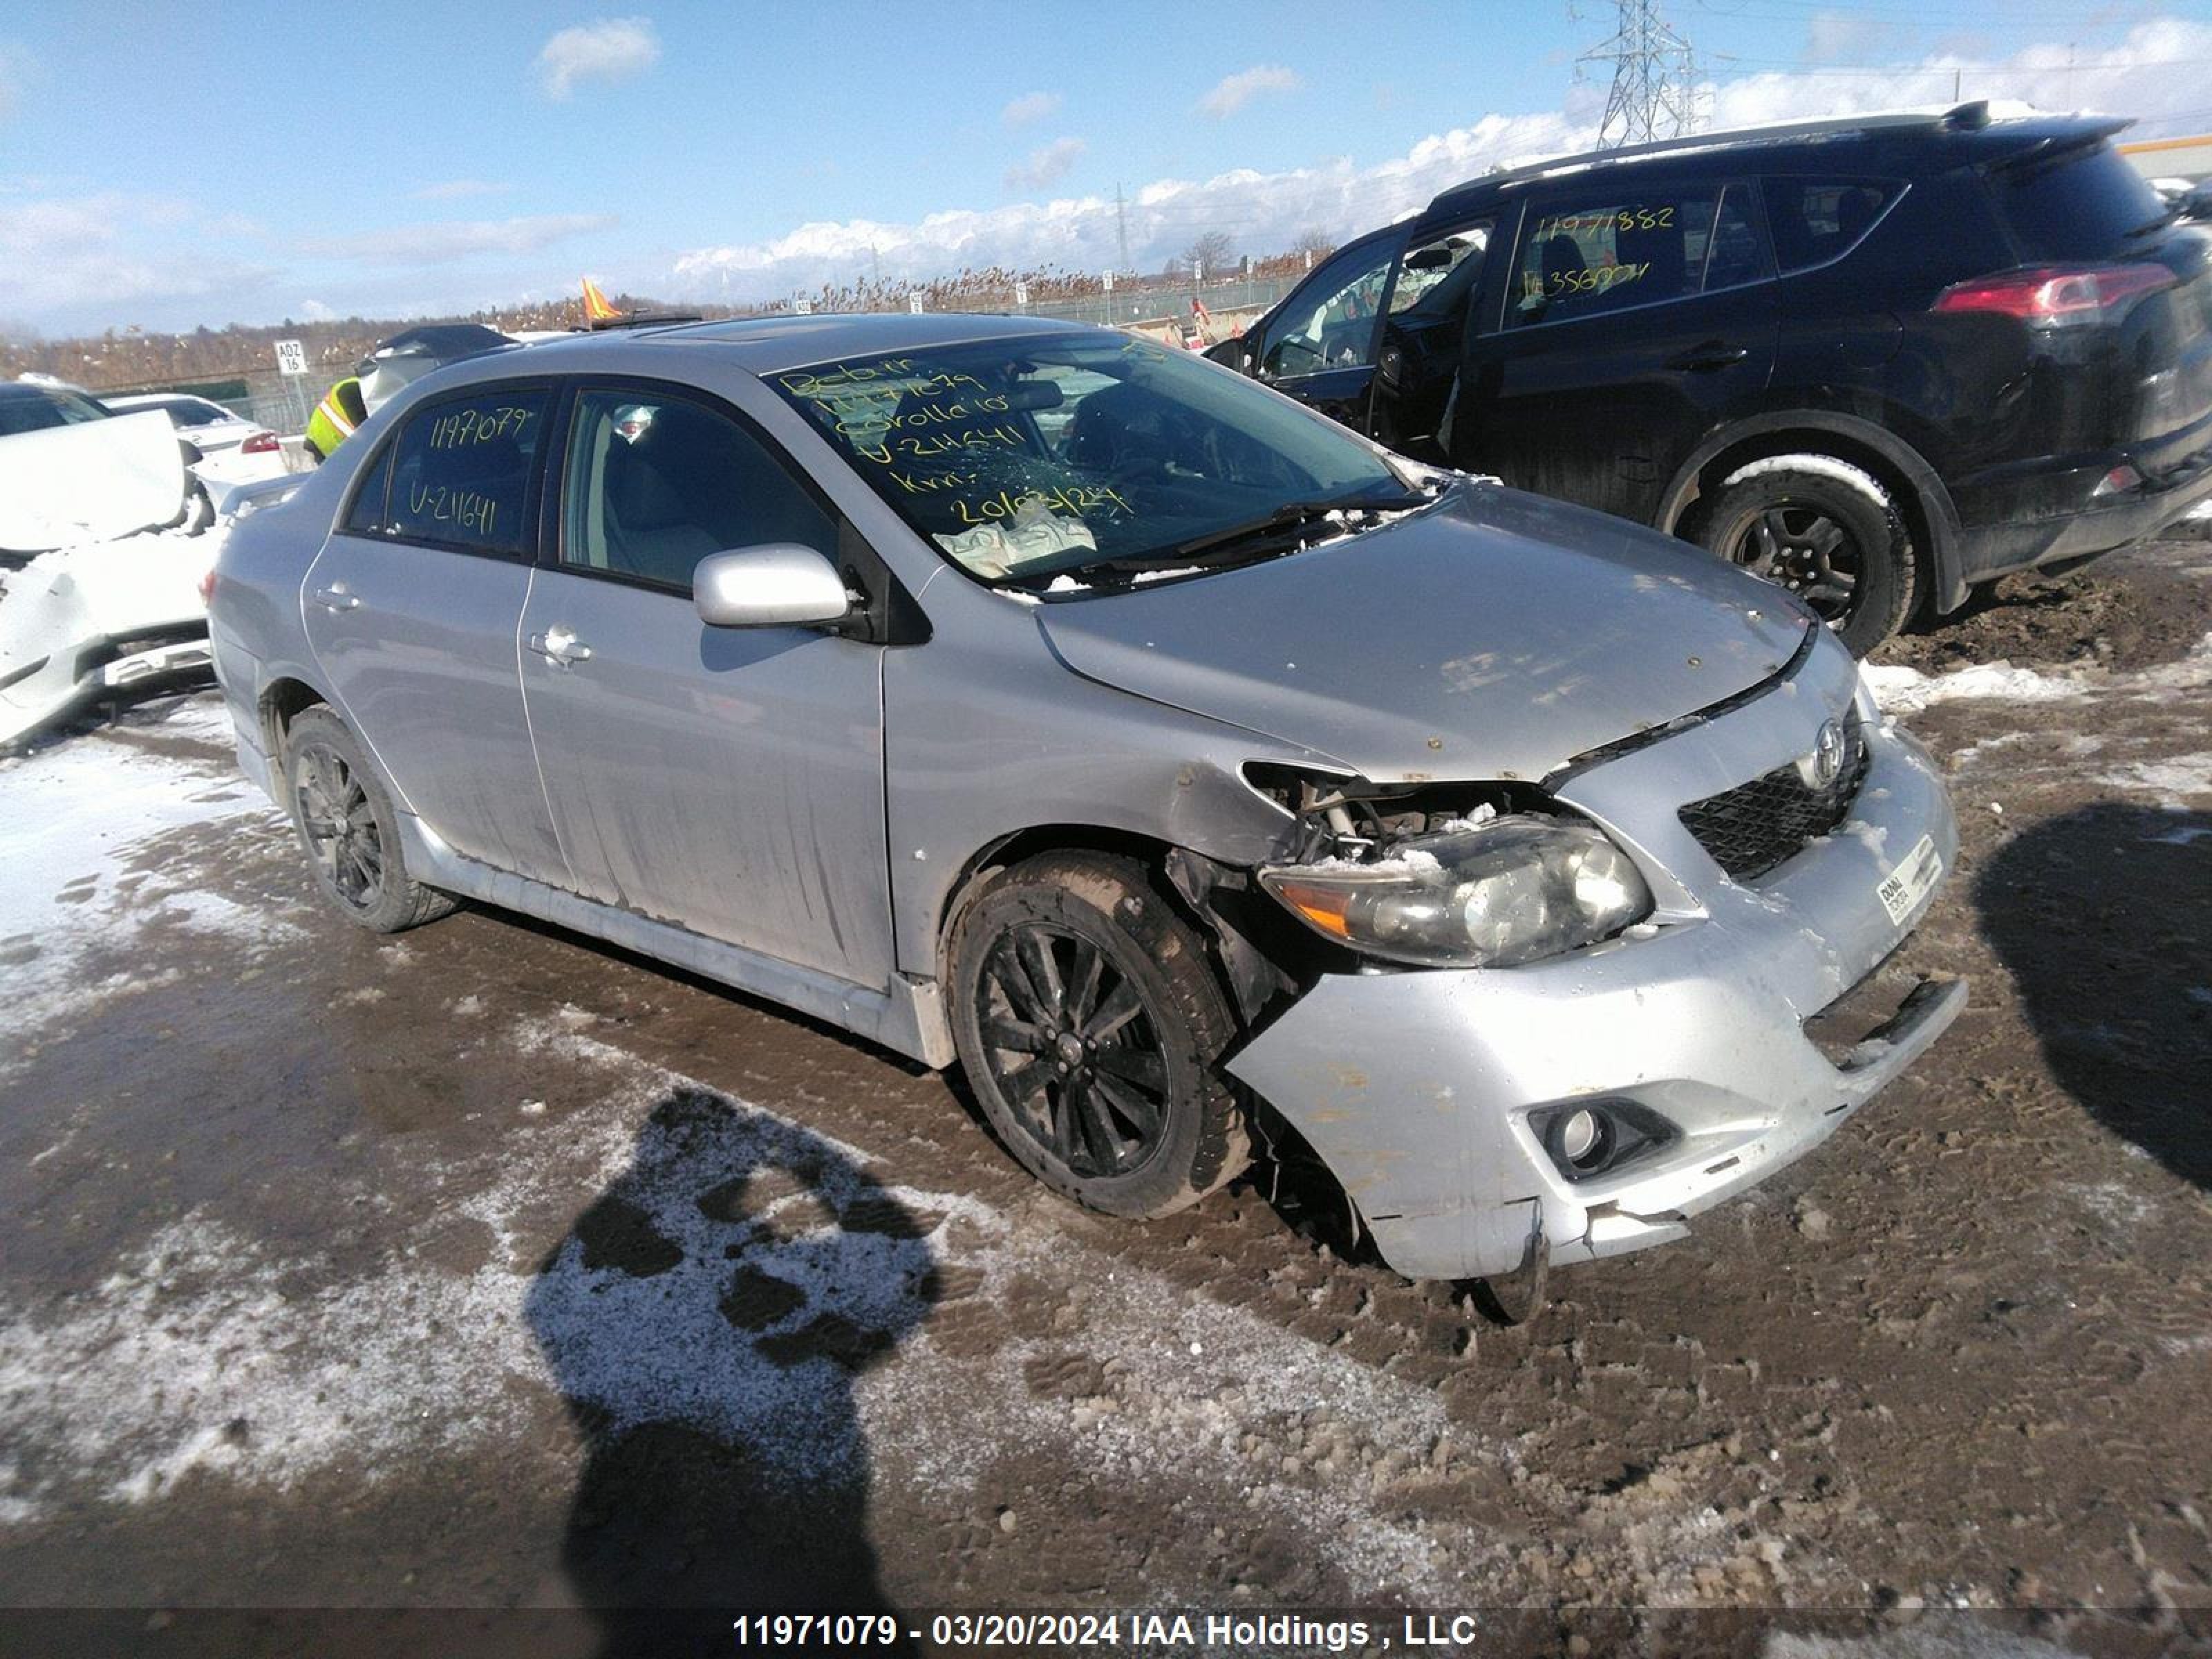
(1417, 1087)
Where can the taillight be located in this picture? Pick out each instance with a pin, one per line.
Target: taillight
(2057, 295)
(207, 587)
(260, 443)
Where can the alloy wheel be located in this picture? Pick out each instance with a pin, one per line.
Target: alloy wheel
(1071, 1049)
(340, 826)
(1804, 551)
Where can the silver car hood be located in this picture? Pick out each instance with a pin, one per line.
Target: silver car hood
(1494, 635)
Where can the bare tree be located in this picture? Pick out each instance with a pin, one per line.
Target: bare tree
(1213, 252)
(1313, 243)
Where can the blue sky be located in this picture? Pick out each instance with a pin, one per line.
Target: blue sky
(174, 165)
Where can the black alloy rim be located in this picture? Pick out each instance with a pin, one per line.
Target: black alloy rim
(1071, 1049)
(340, 826)
(1803, 549)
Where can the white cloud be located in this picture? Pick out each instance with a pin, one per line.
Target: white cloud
(444, 241)
(611, 48)
(2163, 64)
(79, 256)
(2155, 72)
(453, 190)
(1232, 92)
(1030, 108)
(1046, 163)
(314, 311)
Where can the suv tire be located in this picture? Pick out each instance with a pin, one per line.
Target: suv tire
(1833, 537)
(1089, 1022)
(349, 829)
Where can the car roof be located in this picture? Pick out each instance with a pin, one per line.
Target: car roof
(157, 399)
(769, 345)
(1875, 143)
(24, 390)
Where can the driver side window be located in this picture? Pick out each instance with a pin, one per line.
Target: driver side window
(656, 483)
(1330, 321)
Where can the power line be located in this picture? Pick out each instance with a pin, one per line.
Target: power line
(1655, 79)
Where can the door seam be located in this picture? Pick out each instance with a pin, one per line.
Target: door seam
(530, 728)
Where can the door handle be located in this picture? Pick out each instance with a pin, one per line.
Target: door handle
(558, 645)
(335, 598)
(1712, 356)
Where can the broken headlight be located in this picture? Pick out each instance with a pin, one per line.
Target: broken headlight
(1511, 890)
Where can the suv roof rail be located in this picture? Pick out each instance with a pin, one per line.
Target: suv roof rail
(1972, 116)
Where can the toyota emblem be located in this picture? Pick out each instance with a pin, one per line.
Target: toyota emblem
(1828, 755)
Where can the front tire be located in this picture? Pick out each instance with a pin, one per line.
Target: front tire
(349, 829)
(1834, 538)
(1090, 1023)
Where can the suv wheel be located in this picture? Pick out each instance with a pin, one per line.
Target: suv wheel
(1832, 537)
(349, 829)
(1089, 1022)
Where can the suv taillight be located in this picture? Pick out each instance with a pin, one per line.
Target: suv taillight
(259, 443)
(2057, 295)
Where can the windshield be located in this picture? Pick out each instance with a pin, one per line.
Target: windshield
(1021, 459)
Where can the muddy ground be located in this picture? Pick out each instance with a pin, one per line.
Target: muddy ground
(490, 1269)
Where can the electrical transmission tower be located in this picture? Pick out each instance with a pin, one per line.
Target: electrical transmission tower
(1655, 79)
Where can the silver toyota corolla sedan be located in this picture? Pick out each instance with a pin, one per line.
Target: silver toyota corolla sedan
(1188, 769)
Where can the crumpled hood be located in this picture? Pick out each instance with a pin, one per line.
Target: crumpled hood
(1497, 634)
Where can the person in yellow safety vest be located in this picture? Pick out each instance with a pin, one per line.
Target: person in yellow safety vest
(335, 418)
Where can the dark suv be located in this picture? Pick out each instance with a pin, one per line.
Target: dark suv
(1876, 362)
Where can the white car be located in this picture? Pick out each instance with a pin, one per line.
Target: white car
(206, 424)
(233, 450)
(70, 471)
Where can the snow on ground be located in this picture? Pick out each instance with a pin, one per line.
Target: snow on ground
(1903, 690)
(79, 816)
(201, 1352)
(210, 1349)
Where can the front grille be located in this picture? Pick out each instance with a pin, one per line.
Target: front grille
(1752, 828)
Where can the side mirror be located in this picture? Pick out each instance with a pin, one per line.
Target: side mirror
(776, 584)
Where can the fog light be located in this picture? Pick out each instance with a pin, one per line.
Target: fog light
(2120, 478)
(1582, 1139)
(1591, 1138)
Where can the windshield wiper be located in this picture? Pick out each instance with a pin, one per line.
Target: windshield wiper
(1288, 518)
(2155, 225)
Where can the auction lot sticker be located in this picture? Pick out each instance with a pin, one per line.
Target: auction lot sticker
(1903, 888)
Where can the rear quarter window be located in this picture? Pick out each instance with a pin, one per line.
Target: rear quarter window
(2079, 205)
(1814, 221)
(461, 468)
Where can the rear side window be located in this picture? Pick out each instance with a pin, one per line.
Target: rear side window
(1579, 258)
(2079, 205)
(1816, 220)
(460, 469)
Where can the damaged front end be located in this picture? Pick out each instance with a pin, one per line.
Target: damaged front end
(1531, 1029)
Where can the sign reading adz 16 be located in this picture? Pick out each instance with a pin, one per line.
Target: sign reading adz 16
(291, 357)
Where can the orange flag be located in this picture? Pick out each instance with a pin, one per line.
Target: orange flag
(596, 307)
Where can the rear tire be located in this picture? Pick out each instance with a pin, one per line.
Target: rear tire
(1837, 542)
(1090, 1023)
(349, 829)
